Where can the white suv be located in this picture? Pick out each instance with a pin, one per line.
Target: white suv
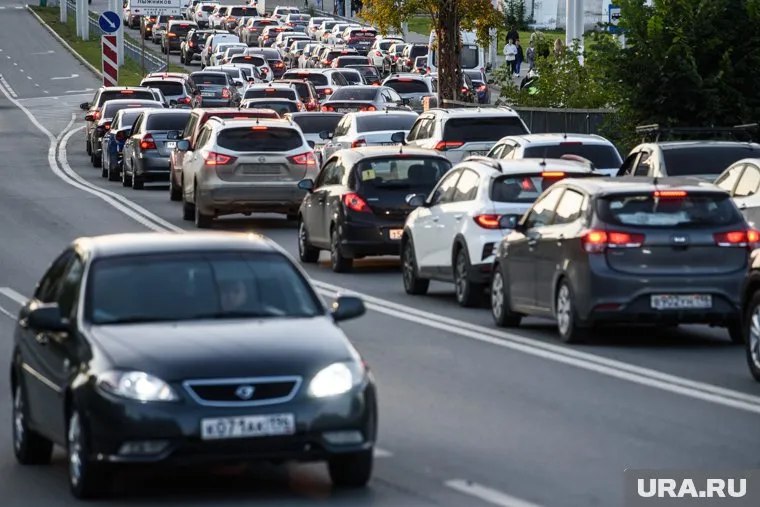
(463, 132)
(598, 150)
(453, 233)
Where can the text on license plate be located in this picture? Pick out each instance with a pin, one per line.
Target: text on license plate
(344, 109)
(170, 145)
(395, 233)
(207, 94)
(681, 301)
(248, 426)
(479, 153)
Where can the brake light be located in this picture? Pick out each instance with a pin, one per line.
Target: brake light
(368, 108)
(464, 89)
(482, 88)
(448, 145)
(171, 34)
(354, 202)
(147, 142)
(304, 159)
(269, 90)
(552, 174)
(378, 53)
(670, 194)
(191, 44)
(597, 241)
(359, 143)
(225, 93)
(327, 108)
(748, 238)
(127, 92)
(184, 100)
(259, 127)
(487, 221)
(213, 158)
(328, 91)
(279, 65)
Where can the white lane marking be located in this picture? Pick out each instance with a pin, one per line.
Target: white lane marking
(380, 453)
(7, 313)
(4, 83)
(80, 91)
(36, 84)
(21, 70)
(487, 494)
(15, 64)
(64, 77)
(29, 77)
(12, 294)
(50, 52)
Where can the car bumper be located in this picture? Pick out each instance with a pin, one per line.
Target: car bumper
(209, 102)
(362, 239)
(113, 422)
(233, 197)
(152, 167)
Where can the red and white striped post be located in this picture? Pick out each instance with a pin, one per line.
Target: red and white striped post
(110, 60)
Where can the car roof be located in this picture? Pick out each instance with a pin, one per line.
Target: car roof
(674, 145)
(636, 184)
(530, 165)
(267, 99)
(162, 79)
(130, 101)
(553, 138)
(212, 72)
(381, 113)
(114, 245)
(168, 111)
(408, 75)
(254, 122)
(463, 112)
(354, 155)
(313, 114)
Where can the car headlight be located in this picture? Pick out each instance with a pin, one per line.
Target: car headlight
(136, 385)
(333, 380)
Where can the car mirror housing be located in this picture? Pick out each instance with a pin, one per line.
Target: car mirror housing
(306, 184)
(312, 144)
(347, 307)
(398, 137)
(416, 200)
(84, 106)
(47, 317)
(89, 117)
(183, 145)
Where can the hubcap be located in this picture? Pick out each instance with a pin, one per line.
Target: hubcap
(754, 337)
(460, 280)
(497, 294)
(75, 449)
(563, 309)
(18, 419)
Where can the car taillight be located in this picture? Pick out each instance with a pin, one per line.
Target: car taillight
(328, 91)
(304, 159)
(368, 108)
(482, 88)
(359, 143)
(354, 202)
(183, 100)
(670, 194)
(225, 93)
(191, 44)
(213, 158)
(327, 108)
(326, 62)
(279, 65)
(171, 34)
(96, 115)
(147, 142)
(464, 90)
(378, 53)
(487, 221)
(448, 145)
(748, 238)
(597, 241)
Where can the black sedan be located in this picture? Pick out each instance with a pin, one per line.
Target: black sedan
(148, 348)
(357, 206)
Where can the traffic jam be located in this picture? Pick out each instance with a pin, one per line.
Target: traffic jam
(327, 124)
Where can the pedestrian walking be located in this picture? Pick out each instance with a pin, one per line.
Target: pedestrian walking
(510, 53)
(530, 56)
(519, 57)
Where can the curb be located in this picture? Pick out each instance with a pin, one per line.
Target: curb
(66, 45)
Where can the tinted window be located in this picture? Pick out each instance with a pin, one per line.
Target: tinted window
(520, 188)
(354, 94)
(384, 122)
(313, 123)
(416, 51)
(208, 8)
(468, 59)
(316, 79)
(351, 60)
(167, 121)
(196, 286)
(167, 87)
(600, 155)
(368, 72)
(352, 78)
(302, 89)
(128, 118)
(125, 94)
(271, 139)
(408, 85)
(239, 11)
(181, 29)
(280, 107)
(646, 210)
(705, 159)
(109, 110)
(482, 129)
(271, 93)
(383, 46)
(210, 79)
(416, 173)
(253, 60)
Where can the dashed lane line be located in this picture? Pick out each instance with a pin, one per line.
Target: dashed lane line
(490, 495)
(8, 87)
(12, 294)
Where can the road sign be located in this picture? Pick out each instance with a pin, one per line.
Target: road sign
(109, 21)
(157, 7)
(110, 60)
(613, 12)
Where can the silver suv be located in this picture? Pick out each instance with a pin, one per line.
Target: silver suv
(463, 132)
(245, 166)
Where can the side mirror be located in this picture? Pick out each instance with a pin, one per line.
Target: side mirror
(405, 101)
(238, 82)
(489, 67)
(183, 145)
(306, 184)
(347, 307)
(398, 137)
(89, 117)
(510, 221)
(325, 134)
(122, 135)
(416, 200)
(84, 106)
(312, 144)
(172, 135)
(47, 317)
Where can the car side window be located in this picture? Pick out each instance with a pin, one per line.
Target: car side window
(69, 291)
(643, 165)
(48, 286)
(323, 174)
(342, 128)
(338, 79)
(542, 211)
(570, 207)
(467, 186)
(137, 124)
(394, 97)
(748, 183)
(203, 137)
(414, 133)
(444, 192)
(190, 127)
(627, 167)
(508, 151)
(727, 181)
(426, 129)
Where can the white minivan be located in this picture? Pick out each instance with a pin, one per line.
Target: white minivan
(472, 56)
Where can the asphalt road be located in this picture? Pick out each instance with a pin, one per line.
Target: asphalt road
(469, 415)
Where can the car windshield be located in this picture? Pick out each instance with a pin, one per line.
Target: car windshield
(419, 174)
(690, 210)
(476, 129)
(520, 188)
(384, 122)
(168, 121)
(261, 139)
(271, 93)
(167, 87)
(368, 93)
(601, 155)
(313, 123)
(408, 85)
(705, 159)
(197, 286)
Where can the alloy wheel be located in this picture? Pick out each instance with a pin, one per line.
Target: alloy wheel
(18, 419)
(754, 337)
(460, 278)
(497, 294)
(408, 266)
(75, 449)
(564, 307)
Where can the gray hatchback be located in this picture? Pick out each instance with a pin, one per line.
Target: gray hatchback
(625, 250)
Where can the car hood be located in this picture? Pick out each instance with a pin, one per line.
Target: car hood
(176, 351)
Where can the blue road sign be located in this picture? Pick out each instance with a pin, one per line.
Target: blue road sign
(109, 21)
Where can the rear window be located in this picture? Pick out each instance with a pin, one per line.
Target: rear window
(266, 139)
(385, 122)
(418, 51)
(181, 29)
(233, 73)
(125, 94)
(240, 11)
(705, 159)
(520, 188)
(208, 8)
(352, 78)
(354, 94)
(271, 93)
(314, 123)
(468, 58)
(209, 79)
(303, 90)
(469, 130)
(281, 107)
(368, 72)
(647, 210)
(258, 61)
(352, 60)
(363, 34)
(408, 86)
(600, 155)
(167, 121)
(416, 173)
(167, 87)
(314, 78)
(264, 22)
(109, 111)
(383, 46)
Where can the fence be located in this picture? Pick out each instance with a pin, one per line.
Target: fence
(542, 120)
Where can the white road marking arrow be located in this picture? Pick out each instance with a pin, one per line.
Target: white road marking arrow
(66, 77)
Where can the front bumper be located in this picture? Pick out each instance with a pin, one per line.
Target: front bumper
(234, 197)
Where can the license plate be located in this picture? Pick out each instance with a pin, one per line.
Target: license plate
(388, 144)
(170, 145)
(479, 153)
(395, 233)
(344, 110)
(681, 301)
(248, 426)
(207, 94)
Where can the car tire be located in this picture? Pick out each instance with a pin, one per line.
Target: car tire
(126, 181)
(113, 174)
(752, 328)
(307, 253)
(202, 221)
(89, 148)
(338, 262)
(468, 294)
(138, 182)
(736, 332)
(568, 326)
(29, 447)
(501, 310)
(413, 284)
(87, 478)
(352, 470)
(175, 192)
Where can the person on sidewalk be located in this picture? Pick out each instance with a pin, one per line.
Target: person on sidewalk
(519, 57)
(510, 53)
(530, 56)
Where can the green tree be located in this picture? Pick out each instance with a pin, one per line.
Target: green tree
(514, 12)
(448, 18)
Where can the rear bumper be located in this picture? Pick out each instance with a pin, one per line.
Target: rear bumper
(362, 239)
(233, 197)
(152, 167)
(208, 102)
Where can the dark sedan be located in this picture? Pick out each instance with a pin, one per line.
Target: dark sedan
(217, 89)
(176, 349)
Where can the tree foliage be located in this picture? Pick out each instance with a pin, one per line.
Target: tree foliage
(514, 12)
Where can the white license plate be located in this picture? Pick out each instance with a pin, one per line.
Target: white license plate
(344, 109)
(681, 301)
(170, 145)
(395, 233)
(208, 94)
(248, 426)
(479, 153)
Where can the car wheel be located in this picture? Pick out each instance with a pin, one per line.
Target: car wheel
(413, 284)
(175, 192)
(138, 182)
(306, 252)
(501, 311)
(468, 294)
(338, 262)
(567, 321)
(752, 343)
(351, 470)
(87, 478)
(202, 221)
(113, 174)
(126, 181)
(30, 447)
(736, 332)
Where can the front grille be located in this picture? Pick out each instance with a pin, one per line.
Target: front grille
(243, 391)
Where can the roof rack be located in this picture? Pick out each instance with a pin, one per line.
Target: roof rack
(655, 132)
(490, 162)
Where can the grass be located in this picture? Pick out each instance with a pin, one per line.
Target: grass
(130, 74)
